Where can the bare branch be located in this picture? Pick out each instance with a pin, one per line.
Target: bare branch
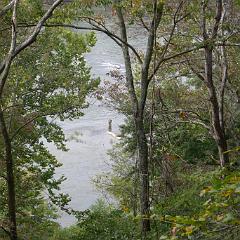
(175, 21)
(144, 24)
(161, 61)
(228, 44)
(151, 37)
(113, 36)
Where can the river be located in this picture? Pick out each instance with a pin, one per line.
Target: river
(88, 140)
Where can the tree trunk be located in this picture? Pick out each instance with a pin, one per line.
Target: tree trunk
(142, 146)
(4, 71)
(138, 103)
(10, 178)
(215, 103)
(218, 128)
(144, 175)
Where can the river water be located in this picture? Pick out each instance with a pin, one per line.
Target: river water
(88, 140)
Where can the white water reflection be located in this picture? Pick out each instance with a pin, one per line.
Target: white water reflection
(87, 156)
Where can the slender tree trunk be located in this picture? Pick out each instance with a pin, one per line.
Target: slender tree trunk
(217, 116)
(137, 110)
(138, 104)
(144, 175)
(4, 71)
(10, 178)
(215, 102)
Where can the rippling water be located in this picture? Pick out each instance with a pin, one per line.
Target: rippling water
(88, 137)
(88, 140)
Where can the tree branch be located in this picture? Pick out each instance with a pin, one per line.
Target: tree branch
(30, 39)
(104, 30)
(218, 18)
(8, 60)
(224, 67)
(38, 28)
(197, 123)
(5, 230)
(127, 59)
(158, 12)
(160, 61)
(6, 8)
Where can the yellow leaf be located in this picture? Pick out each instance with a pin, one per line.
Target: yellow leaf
(219, 217)
(125, 209)
(227, 193)
(189, 230)
(205, 190)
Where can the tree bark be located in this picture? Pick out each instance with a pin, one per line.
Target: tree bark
(142, 146)
(140, 133)
(215, 103)
(10, 178)
(144, 174)
(138, 105)
(217, 116)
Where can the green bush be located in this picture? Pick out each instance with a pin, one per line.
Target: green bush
(101, 222)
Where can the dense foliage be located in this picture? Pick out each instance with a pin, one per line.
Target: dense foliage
(48, 81)
(180, 95)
